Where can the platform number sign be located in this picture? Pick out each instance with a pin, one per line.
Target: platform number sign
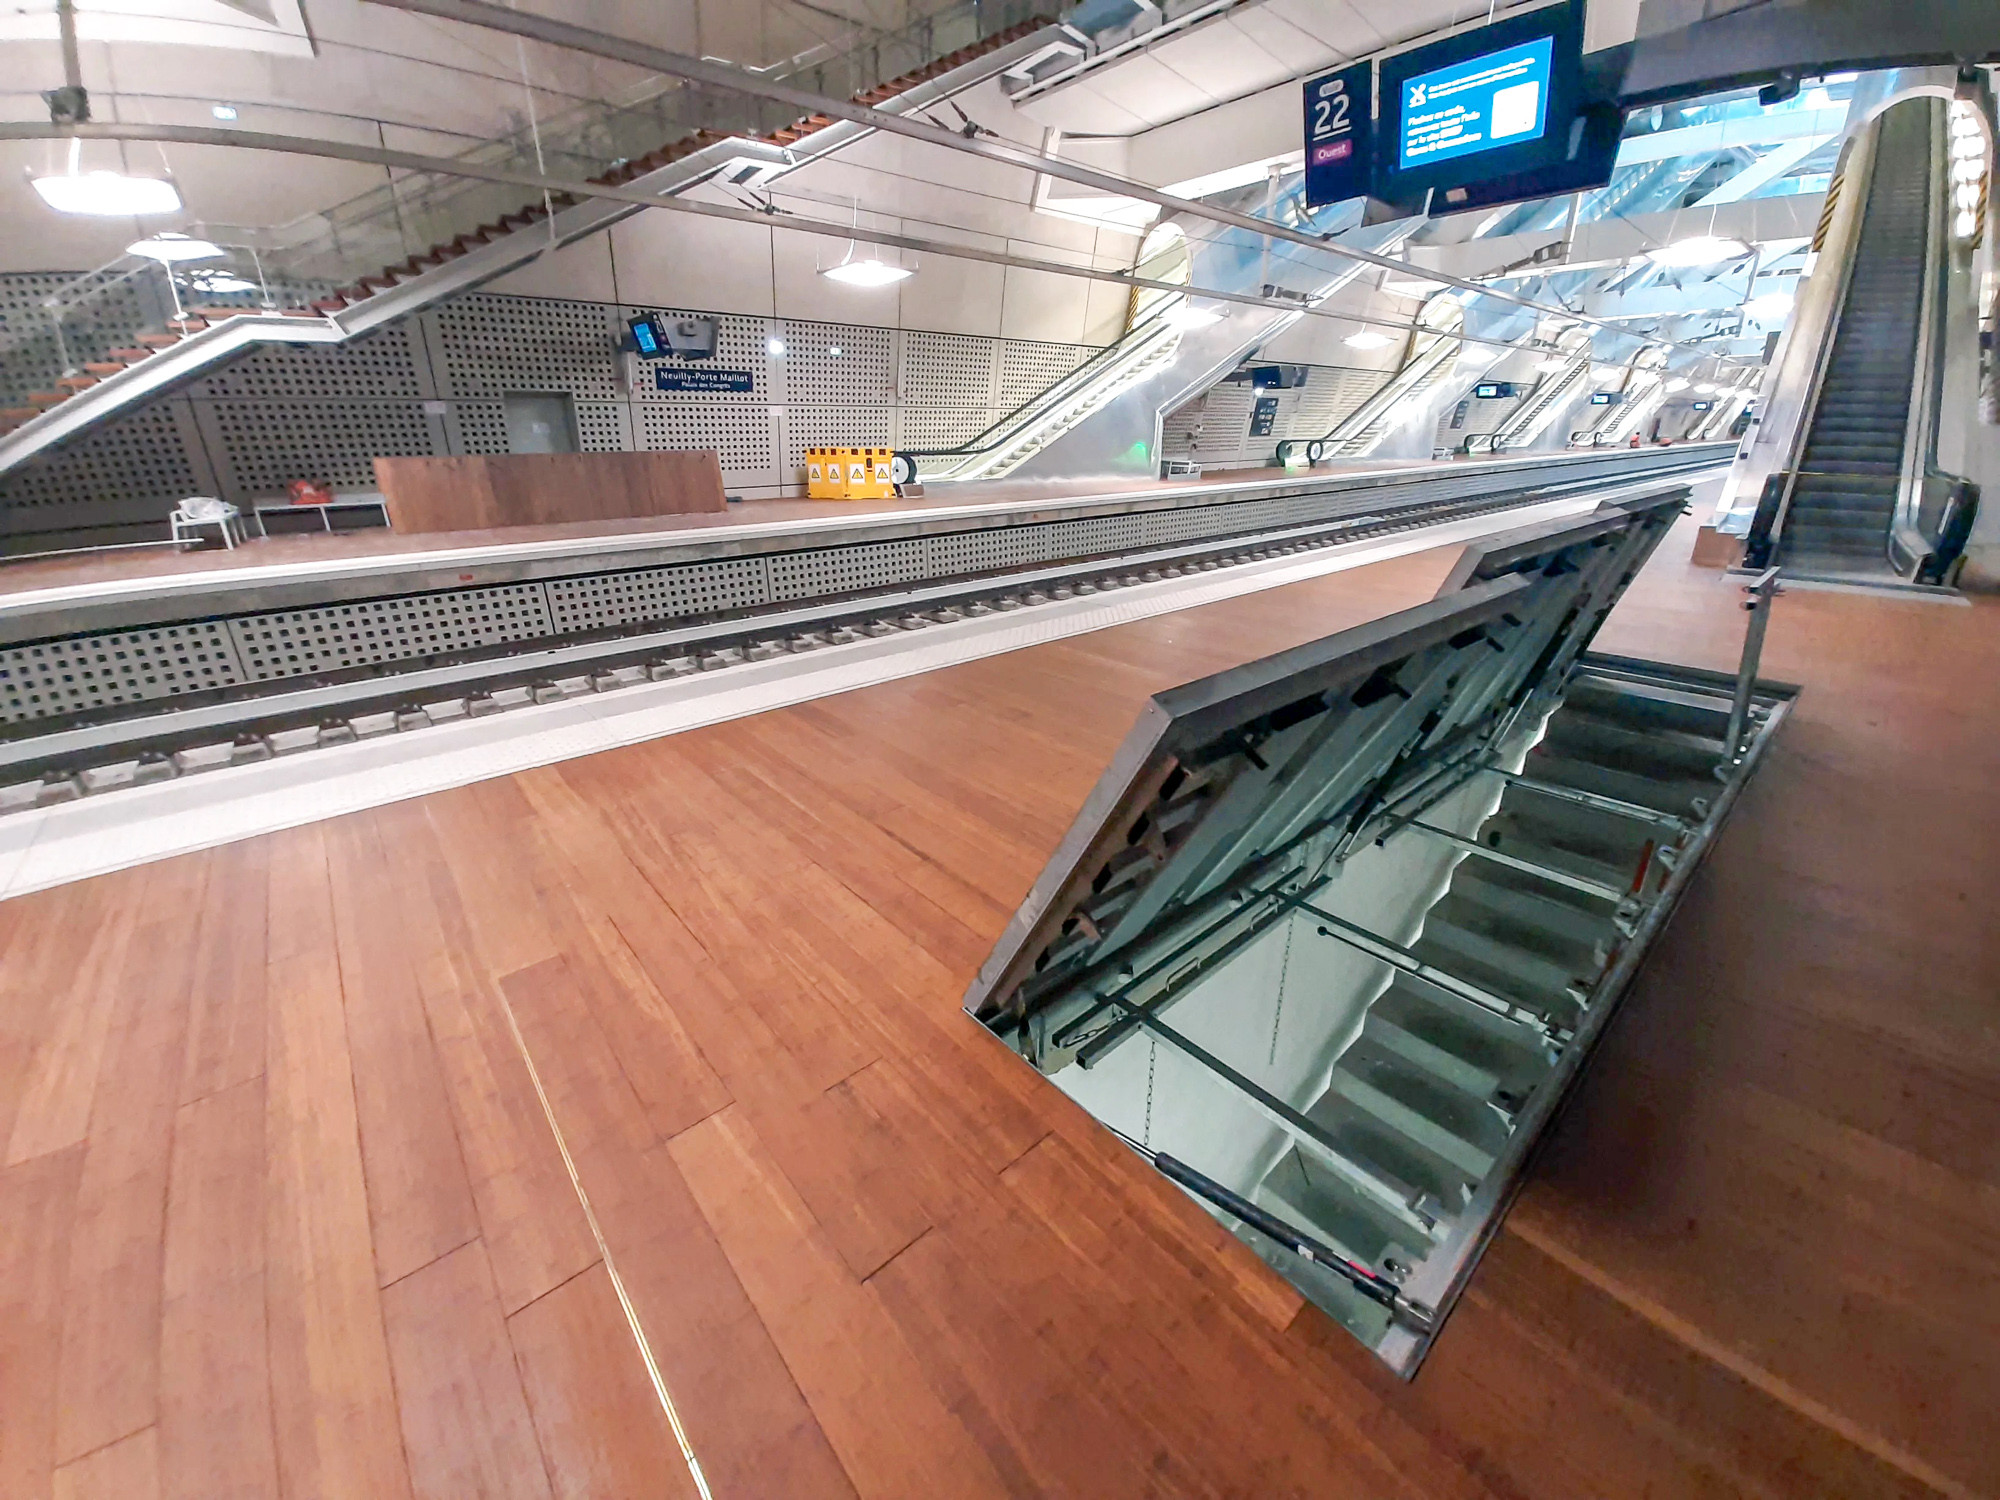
(1340, 131)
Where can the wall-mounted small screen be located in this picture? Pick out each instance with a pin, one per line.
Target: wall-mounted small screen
(1493, 390)
(1604, 398)
(646, 336)
(1701, 406)
(1497, 99)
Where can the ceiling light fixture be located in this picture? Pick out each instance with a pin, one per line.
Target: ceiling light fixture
(1187, 315)
(867, 273)
(1552, 365)
(1699, 250)
(1411, 288)
(108, 194)
(1770, 307)
(1675, 385)
(173, 247)
(775, 348)
(223, 111)
(1368, 338)
(220, 283)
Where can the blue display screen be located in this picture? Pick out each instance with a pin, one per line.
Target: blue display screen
(1498, 99)
(645, 337)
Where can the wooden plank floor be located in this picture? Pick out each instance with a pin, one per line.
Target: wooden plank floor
(467, 1146)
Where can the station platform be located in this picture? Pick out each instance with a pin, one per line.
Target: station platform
(304, 553)
(424, 1150)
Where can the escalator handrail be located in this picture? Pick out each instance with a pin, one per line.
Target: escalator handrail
(1920, 419)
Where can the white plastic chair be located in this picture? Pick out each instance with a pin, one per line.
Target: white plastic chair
(198, 511)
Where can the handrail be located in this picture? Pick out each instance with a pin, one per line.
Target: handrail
(1906, 546)
(1412, 373)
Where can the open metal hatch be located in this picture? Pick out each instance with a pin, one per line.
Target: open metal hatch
(1336, 930)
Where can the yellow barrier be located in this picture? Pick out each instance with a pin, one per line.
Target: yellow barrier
(849, 473)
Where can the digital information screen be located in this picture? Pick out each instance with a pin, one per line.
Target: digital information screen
(1498, 99)
(645, 337)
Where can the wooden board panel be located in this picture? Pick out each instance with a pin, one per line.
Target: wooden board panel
(531, 489)
(333, 1401)
(601, 1428)
(215, 1434)
(874, 1254)
(111, 1316)
(465, 1417)
(37, 1206)
(418, 1198)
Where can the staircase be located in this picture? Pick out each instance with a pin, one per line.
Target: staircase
(182, 349)
(1844, 500)
(1423, 1103)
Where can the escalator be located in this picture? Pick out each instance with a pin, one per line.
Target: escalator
(1844, 500)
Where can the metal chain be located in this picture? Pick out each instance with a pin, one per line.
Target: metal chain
(1152, 1057)
(1284, 974)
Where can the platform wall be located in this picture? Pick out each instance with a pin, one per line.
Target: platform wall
(435, 386)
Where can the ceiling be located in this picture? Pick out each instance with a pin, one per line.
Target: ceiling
(1247, 48)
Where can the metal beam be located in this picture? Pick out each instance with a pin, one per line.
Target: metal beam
(1303, 1130)
(252, 140)
(1397, 957)
(1594, 801)
(1514, 862)
(724, 76)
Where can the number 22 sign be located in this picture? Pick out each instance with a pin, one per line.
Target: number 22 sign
(1340, 130)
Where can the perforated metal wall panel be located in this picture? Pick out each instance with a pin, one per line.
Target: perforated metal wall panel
(741, 343)
(326, 412)
(1214, 428)
(78, 674)
(491, 344)
(738, 431)
(1028, 368)
(946, 369)
(1330, 395)
(845, 570)
(837, 362)
(381, 365)
(648, 594)
(834, 426)
(476, 427)
(944, 427)
(1181, 428)
(268, 444)
(131, 470)
(100, 671)
(603, 427)
(293, 643)
(102, 314)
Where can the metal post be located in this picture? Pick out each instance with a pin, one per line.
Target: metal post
(1762, 590)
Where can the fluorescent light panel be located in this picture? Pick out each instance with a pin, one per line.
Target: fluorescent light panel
(108, 194)
(866, 273)
(1701, 250)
